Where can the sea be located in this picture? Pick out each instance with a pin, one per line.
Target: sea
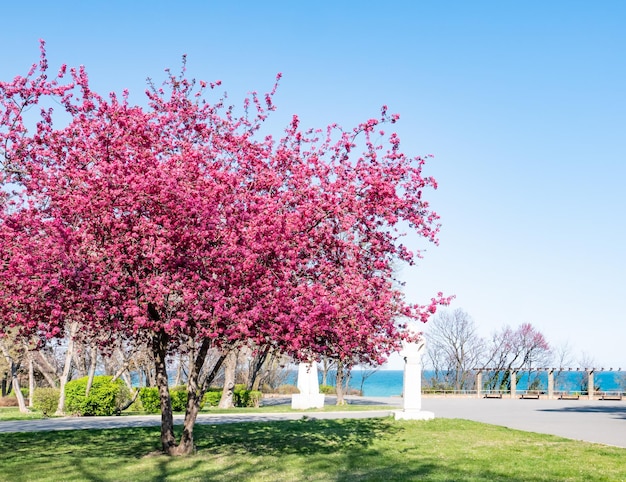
(388, 383)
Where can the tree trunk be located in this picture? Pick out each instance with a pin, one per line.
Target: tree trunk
(31, 379)
(93, 362)
(159, 349)
(13, 367)
(230, 365)
(179, 369)
(195, 391)
(339, 384)
(255, 368)
(43, 365)
(326, 364)
(66, 369)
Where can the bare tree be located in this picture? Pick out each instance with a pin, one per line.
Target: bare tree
(365, 372)
(454, 348)
(326, 365)
(562, 359)
(587, 362)
(524, 348)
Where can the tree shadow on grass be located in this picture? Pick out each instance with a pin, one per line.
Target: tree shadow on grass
(302, 436)
(376, 449)
(333, 449)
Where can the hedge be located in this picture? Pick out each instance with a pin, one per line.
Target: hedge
(151, 402)
(105, 397)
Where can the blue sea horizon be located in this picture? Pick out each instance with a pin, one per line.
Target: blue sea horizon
(388, 383)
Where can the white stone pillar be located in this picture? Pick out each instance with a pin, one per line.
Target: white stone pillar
(412, 383)
(308, 384)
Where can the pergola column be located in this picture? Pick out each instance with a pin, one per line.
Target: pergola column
(590, 385)
(513, 383)
(550, 383)
(479, 383)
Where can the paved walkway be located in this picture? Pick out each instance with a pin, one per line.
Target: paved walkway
(599, 421)
(593, 421)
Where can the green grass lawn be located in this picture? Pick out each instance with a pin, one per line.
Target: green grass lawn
(313, 450)
(13, 413)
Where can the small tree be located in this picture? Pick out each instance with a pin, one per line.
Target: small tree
(519, 349)
(366, 372)
(454, 348)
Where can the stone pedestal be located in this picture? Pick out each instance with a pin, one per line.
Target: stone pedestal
(412, 384)
(308, 384)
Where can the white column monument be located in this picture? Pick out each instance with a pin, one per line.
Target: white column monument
(309, 386)
(412, 383)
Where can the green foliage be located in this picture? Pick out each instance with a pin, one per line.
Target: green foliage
(46, 400)
(150, 400)
(328, 389)
(246, 398)
(105, 397)
(535, 384)
(212, 397)
(178, 396)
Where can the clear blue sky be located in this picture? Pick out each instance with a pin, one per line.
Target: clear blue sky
(522, 104)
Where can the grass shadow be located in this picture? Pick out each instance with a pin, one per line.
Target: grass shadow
(304, 436)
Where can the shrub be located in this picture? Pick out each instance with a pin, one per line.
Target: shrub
(178, 395)
(105, 397)
(136, 406)
(212, 397)
(254, 398)
(246, 398)
(46, 400)
(327, 389)
(150, 400)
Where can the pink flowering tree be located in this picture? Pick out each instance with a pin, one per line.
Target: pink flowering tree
(179, 226)
(523, 348)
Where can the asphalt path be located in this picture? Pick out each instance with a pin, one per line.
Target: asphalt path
(599, 421)
(595, 421)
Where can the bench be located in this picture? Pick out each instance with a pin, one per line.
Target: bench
(611, 396)
(534, 396)
(493, 395)
(565, 396)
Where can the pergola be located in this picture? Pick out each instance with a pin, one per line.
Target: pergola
(551, 392)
